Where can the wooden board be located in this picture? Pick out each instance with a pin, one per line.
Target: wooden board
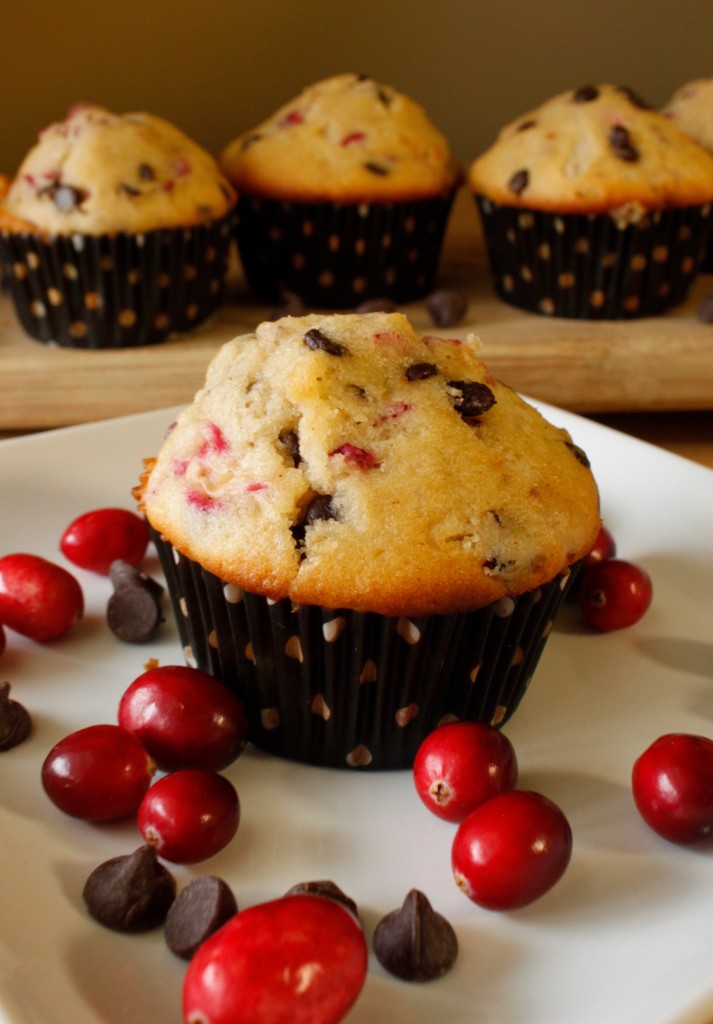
(661, 363)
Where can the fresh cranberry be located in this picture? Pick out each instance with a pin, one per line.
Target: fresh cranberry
(189, 815)
(99, 773)
(672, 784)
(604, 547)
(460, 765)
(39, 599)
(511, 850)
(299, 959)
(185, 718)
(614, 594)
(96, 539)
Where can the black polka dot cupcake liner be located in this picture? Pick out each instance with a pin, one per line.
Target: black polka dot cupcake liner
(589, 266)
(336, 256)
(116, 291)
(347, 689)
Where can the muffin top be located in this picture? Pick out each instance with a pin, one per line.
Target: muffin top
(593, 150)
(346, 461)
(97, 172)
(691, 109)
(348, 139)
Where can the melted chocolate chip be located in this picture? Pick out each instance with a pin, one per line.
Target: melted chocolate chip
(319, 342)
(198, 911)
(579, 454)
(415, 943)
(290, 440)
(15, 721)
(472, 398)
(447, 307)
(134, 611)
(374, 168)
(324, 888)
(146, 172)
(131, 893)
(621, 144)
(585, 94)
(519, 182)
(420, 371)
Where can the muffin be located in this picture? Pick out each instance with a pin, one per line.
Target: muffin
(691, 109)
(344, 195)
(115, 231)
(364, 534)
(594, 206)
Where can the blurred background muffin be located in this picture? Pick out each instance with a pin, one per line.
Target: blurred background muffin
(594, 205)
(691, 109)
(115, 231)
(343, 195)
(365, 535)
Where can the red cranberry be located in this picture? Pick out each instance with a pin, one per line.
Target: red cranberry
(301, 959)
(189, 815)
(95, 539)
(511, 850)
(39, 599)
(672, 784)
(614, 594)
(460, 765)
(604, 547)
(185, 718)
(99, 773)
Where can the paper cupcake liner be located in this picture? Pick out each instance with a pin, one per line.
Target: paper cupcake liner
(116, 291)
(338, 255)
(587, 267)
(349, 689)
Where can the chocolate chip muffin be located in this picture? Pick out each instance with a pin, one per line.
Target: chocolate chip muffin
(691, 109)
(115, 231)
(364, 534)
(345, 192)
(595, 206)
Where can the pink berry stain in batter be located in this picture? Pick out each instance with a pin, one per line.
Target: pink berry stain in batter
(352, 137)
(355, 457)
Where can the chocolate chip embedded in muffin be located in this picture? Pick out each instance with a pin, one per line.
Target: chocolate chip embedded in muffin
(198, 911)
(131, 893)
(621, 144)
(415, 943)
(471, 398)
(585, 94)
(420, 371)
(519, 181)
(319, 342)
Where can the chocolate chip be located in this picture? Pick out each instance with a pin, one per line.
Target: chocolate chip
(131, 893)
(447, 307)
(383, 95)
(134, 611)
(579, 454)
(15, 721)
(494, 565)
(585, 94)
(320, 507)
(374, 168)
(67, 198)
(290, 440)
(519, 182)
(319, 342)
(705, 310)
(125, 189)
(472, 398)
(249, 140)
(377, 306)
(198, 911)
(324, 888)
(146, 172)
(420, 371)
(526, 125)
(621, 144)
(415, 943)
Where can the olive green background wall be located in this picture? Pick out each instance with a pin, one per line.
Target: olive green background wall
(216, 67)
